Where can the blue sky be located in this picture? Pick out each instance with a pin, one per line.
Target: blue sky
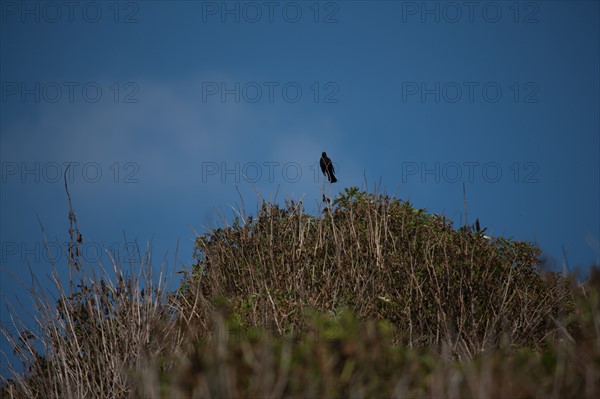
(163, 107)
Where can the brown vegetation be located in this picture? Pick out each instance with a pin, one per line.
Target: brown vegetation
(373, 298)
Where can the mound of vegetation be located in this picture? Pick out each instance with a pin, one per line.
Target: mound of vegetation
(383, 259)
(372, 298)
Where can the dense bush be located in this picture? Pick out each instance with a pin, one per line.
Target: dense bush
(384, 259)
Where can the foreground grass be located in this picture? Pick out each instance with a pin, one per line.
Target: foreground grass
(373, 298)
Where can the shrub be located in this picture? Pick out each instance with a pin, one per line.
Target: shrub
(384, 259)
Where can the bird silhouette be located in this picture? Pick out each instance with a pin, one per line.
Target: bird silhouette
(327, 167)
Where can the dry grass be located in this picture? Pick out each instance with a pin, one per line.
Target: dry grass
(84, 344)
(372, 299)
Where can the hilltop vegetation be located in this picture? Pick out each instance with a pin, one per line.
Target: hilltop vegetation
(373, 297)
(385, 260)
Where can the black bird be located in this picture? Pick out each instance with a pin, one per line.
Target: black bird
(327, 167)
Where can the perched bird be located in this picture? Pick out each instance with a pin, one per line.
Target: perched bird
(327, 167)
